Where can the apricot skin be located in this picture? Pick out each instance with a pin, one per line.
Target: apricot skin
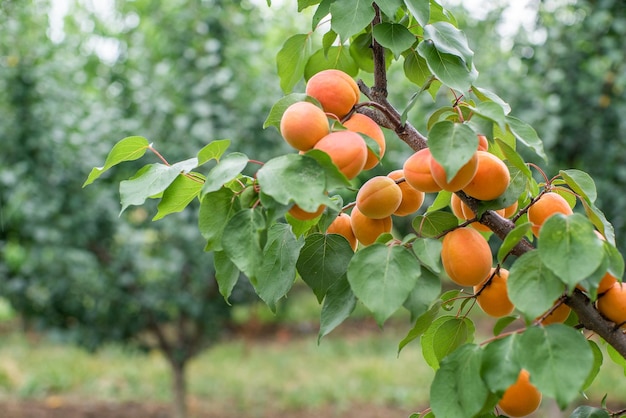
(303, 124)
(612, 303)
(494, 298)
(547, 205)
(412, 199)
(346, 149)
(491, 178)
(558, 316)
(366, 125)
(417, 172)
(461, 179)
(379, 197)
(521, 398)
(483, 143)
(466, 256)
(302, 215)
(336, 91)
(367, 230)
(464, 212)
(342, 225)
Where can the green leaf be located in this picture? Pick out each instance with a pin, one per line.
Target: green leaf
(320, 13)
(291, 60)
(382, 277)
(457, 389)
(499, 368)
(597, 363)
(152, 180)
(452, 145)
(427, 290)
(228, 169)
(334, 57)
(294, 178)
(350, 17)
(514, 158)
(216, 208)
(597, 217)
(394, 36)
(569, 247)
(616, 357)
(581, 183)
(226, 274)
(433, 224)
(213, 151)
(548, 353)
(584, 411)
(445, 335)
(276, 271)
(323, 261)
(128, 149)
(450, 40)
(491, 111)
(241, 241)
(277, 110)
(487, 95)
(420, 9)
(422, 323)
(512, 239)
(428, 251)
(526, 135)
(502, 323)
(303, 4)
(334, 177)
(416, 69)
(361, 52)
(178, 195)
(449, 69)
(390, 7)
(338, 305)
(532, 287)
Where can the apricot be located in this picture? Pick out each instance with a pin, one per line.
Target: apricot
(466, 256)
(342, 225)
(558, 315)
(303, 124)
(417, 173)
(461, 179)
(491, 179)
(302, 215)
(412, 199)
(483, 143)
(366, 229)
(521, 398)
(607, 280)
(612, 303)
(346, 149)
(336, 91)
(547, 205)
(464, 212)
(379, 197)
(364, 124)
(510, 210)
(494, 298)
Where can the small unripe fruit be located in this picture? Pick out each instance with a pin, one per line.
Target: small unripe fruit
(303, 124)
(417, 172)
(493, 299)
(347, 150)
(367, 230)
(412, 199)
(343, 226)
(521, 398)
(379, 197)
(336, 91)
(366, 125)
(547, 205)
(466, 256)
(461, 179)
(491, 179)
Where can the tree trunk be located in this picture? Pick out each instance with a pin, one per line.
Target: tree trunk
(179, 389)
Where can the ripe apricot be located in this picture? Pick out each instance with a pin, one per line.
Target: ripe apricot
(491, 179)
(612, 303)
(466, 256)
(303, 124)
(464, 212)
(412, 199)
(366, 125)
(521, 398)
(367, 230)
(494, 298)
(510, 210)
(346, 149)
(483, 143)
(558, 315)
(547, 205)
(341, 225)
(336, 91)
(460, 179)
(417, 173)
(302, 215)
(379, 197)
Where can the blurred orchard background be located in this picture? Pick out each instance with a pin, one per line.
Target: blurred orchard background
(104, 315)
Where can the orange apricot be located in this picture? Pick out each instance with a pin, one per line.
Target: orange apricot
(547, 205)
(483, 143)
(336, 91)
(491, 179)
(612, 303)
(510, 210)
(364, 124)
(493, 299)
(366, 229)
(460, 179)
(302, 215)
(379, 197)
(303, 124)
(458, 207)
(412, 199)
(346, 149)
(466, 256)
(341, 225)
(469, 214)
(558, 315)
(521, 398)
(417, 172)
